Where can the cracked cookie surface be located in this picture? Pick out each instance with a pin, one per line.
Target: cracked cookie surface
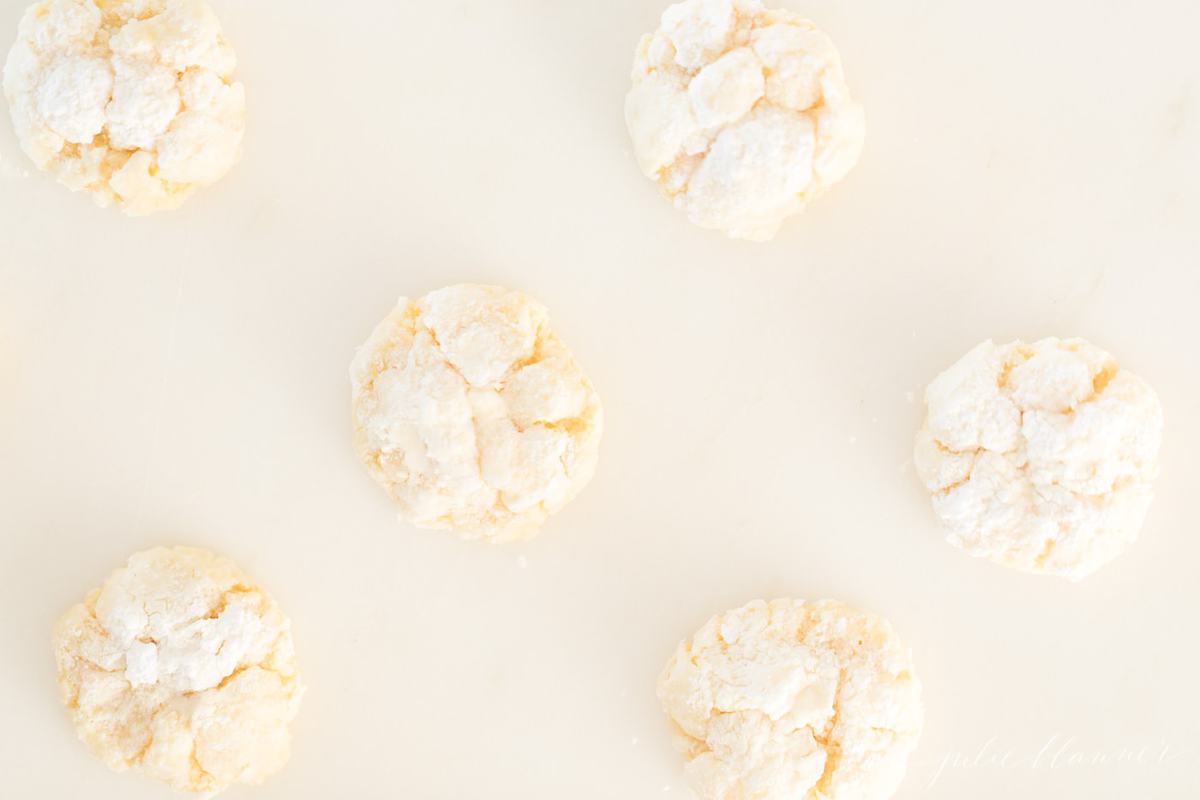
(132, 101)
(181, 668)
(793, 700)
(741, 114)
(472, 414)
(1040, 456)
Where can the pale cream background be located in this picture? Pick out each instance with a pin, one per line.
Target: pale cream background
(1032, 169)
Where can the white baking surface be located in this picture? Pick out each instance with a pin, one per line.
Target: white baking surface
(1032, 169)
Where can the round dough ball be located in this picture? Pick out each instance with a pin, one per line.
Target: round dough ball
(741, 114)
(472, 414)
(1041, 456)
(183, 669)
(130, 100)
(793, 700)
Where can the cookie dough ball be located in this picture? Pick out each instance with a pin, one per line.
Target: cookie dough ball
(1040, 456)
(472, 414)
(183, 669)
(741, 114)
(793, 700)
(130, 100)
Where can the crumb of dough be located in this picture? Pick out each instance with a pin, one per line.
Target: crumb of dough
(181, 668)
(741, 114)
(132, 101)
(793, 700)
(472, 414)
(1040, 456)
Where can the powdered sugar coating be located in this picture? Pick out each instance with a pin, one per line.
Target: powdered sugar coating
(132, 101)
(472, 414)
(793, 700)
(183, 669)
(1041, 456)
(741, 114)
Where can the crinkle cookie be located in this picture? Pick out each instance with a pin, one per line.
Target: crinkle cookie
(472, 414)
(181, 668)
(793, 700)
(741, 114)
(132, 101)
(1040, 456)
